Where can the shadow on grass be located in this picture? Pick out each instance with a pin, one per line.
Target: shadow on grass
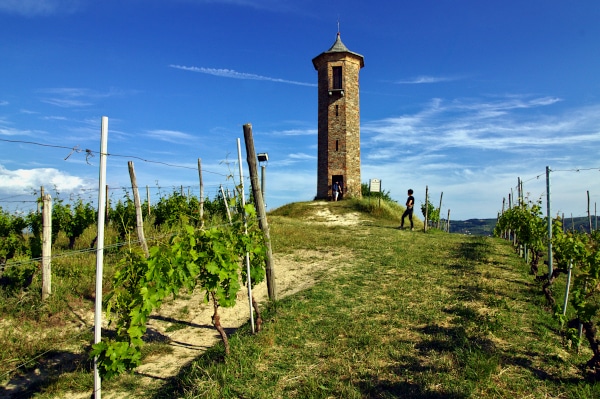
(405, 390)
(177, 385)
(44, 372)
(182, 322)
(476, 249)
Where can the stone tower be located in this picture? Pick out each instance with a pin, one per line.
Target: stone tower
(339, 120)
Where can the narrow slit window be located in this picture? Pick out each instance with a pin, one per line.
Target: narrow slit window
(337, 78)
(337, 143)
(337, 110)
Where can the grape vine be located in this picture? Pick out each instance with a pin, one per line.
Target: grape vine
(207, 259)
(575, 251)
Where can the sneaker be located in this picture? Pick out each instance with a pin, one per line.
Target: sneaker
(412, 229)
(400, 227)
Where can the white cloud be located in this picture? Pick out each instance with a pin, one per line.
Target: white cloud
(54, 118)
(302, 156)
(66, 103)
(34, 8)
(74, 97)
(296, 132)
(230, 73)
(485, 126)
(15, 132)
(21, 181)
(426, 80)
(170, 136)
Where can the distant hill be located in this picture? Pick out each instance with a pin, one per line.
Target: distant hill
(477, 227)
(485, 227)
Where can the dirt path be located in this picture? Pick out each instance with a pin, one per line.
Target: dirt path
(293, 272)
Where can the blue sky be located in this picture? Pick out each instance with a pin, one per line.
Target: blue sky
(461, 96)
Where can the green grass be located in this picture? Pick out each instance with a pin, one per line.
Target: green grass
(400, 314)
(411, 314)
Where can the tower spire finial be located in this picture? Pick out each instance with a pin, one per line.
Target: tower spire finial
(338, 32)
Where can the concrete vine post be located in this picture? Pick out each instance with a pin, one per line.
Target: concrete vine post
(588, 212)
(201, 210)
(107, 207)
(148, 199)
(549, 218)
(46, 246)
(102, 206)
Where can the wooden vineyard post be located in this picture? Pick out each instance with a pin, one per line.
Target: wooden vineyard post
(426, 207)
(260, 208)
(440, 211)
(201, 210)
(226, 202)
(46, 246)
(139, 226)
(501, 214)
(41, 199)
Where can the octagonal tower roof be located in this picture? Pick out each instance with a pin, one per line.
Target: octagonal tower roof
(339, 47)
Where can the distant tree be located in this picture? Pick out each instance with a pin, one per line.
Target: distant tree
(366, 193)
(433, 213)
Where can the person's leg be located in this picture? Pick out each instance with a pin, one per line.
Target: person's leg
(403, 216)
(411, 219)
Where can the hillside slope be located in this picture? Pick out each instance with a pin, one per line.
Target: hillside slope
(364, 310)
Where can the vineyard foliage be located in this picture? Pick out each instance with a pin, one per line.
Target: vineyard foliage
(12, 242)
(210, 260)
(433, 213)
(573, 252)
(21, 233)
(526, 222)
(191, 257)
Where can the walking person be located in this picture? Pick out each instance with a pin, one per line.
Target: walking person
(410, 203)
(335, 190)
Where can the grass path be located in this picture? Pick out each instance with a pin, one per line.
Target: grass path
(400, 314)
(370, 311)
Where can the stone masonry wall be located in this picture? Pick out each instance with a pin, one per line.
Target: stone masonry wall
(339, 126)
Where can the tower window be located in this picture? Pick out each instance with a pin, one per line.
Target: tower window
(337, 110)
(337, 143)
(337, 78)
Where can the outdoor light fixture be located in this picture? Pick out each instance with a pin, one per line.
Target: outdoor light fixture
(263, 157)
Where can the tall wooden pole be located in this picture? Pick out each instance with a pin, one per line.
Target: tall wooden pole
(263, 173)
(502, 213)
(226, 202)
(41, 200)
(260, 209)
(426, 207)
(139, 225)
(440, 211)
(247, 257)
